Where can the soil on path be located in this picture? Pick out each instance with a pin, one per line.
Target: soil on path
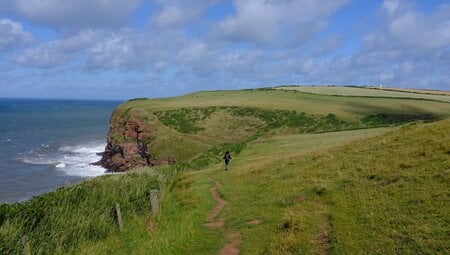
(234, 238)
(211, 219)
(233, 248)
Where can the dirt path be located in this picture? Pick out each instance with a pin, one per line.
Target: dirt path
(233, 248)
(211, 219)
(234, 238)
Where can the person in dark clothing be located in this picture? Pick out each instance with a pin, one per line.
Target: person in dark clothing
(227, 158)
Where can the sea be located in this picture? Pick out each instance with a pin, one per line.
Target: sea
(45, 144)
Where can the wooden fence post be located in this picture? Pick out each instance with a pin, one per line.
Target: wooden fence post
(154, 201)
(119, 216)
(26, 245)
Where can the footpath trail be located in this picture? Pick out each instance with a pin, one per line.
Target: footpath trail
(211, 219)
(235, 239)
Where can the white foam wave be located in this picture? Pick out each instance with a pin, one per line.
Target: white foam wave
(60, 165)
(84, 148)
(38, 160)
(73, 160)
(77, 159)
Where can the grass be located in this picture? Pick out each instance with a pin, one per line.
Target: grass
(334, 193)
(342, 107)
(420, 91)
(204, 120)
(187, 120)
(60, 221)
(265, 150)
(383, 195)
(371, 92)
(176, 231)
(363, 190)
(183, 119)
(360, 191)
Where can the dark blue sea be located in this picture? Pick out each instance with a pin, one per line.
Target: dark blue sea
(45, 144)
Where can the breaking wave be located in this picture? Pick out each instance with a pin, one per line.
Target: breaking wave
(72, 160)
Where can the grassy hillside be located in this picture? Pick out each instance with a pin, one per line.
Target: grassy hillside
(383, 195)
(329, 193)
(204, 120)
(62, 220)
(334, 177)
(386, 195)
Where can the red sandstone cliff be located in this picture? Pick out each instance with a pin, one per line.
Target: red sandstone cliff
(126, 145)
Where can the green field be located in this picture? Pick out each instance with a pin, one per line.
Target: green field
(370, 92)
(289, 100)
(204, 120)
(325, 179)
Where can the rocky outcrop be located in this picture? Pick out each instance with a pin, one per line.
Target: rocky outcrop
(126, 145)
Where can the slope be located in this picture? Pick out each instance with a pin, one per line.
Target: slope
(161, 129)
(383, 194)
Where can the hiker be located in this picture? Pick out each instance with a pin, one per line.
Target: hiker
(227, 158)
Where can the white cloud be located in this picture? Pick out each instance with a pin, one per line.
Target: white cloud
(79, 14)
(393, 53)
(128, 49)
(410, 46)
(181, 12)
(46, 56)
(329, 45)
(13, 35)
(406, 28)
(117, 50)
(193, 52)
(54, 53)
(286, 22)
(100, 49)
(408, 49)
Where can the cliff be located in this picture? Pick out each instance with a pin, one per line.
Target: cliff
(126, 144)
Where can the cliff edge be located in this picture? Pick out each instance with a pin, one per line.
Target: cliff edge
(126, 144)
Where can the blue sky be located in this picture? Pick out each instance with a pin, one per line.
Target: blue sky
(117, 49)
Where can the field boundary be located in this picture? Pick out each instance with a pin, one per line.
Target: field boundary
(384, 97)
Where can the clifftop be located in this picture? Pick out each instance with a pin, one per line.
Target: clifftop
(147, 132)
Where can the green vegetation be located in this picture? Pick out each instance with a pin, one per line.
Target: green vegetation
(61, 221)
(370, 92)
(382, 195)
(359, 198)
(187, 120)
(183, 120)
(216, 123)
(313, 169)
(388, 119)
(204, 120)
(315, 104)
(127, 111)
(312, 192)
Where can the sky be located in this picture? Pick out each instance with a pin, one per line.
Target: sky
(114, 49)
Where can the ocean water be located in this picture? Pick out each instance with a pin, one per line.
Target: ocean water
(45, 144)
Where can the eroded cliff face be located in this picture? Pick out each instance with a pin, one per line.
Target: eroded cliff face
(126, 144)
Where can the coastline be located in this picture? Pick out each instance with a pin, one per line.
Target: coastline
(47, 144)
